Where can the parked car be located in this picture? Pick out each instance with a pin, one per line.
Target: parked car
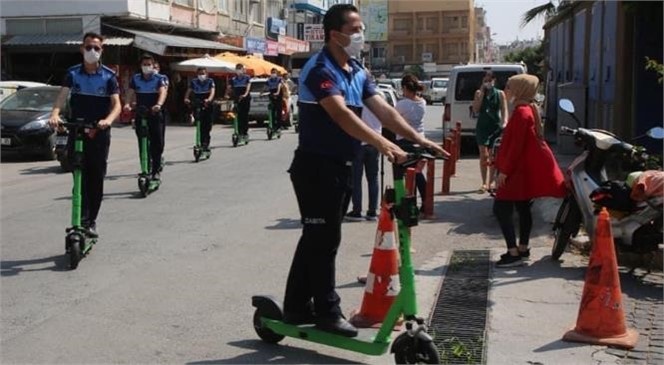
(24, 117)
(437, 92)
(463, 82)
(394, 83)
(259, 103)
(9, 87)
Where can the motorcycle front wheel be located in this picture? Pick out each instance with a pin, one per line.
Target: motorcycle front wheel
(567, 223)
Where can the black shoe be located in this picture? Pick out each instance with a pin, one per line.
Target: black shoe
(297, 319)
(156, 176)
(91, 231)
(525, 255)
(507, 260)
(354, 217)
(371, 215)
(336, 325)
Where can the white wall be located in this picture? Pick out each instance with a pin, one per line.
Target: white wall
(35, 8)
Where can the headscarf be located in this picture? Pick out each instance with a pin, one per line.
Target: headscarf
(523, 88)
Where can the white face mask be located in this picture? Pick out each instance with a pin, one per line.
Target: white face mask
(356, 44)
(240, 72)
(274, 76)
(202, 77)
(91, 56)
(148, 70)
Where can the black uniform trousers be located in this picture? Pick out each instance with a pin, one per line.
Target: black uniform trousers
(243, 114)
(323, 188)
(95, 157)
(155, 132)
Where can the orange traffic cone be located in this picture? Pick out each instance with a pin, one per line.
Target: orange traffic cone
(601, 319)
(382, 282)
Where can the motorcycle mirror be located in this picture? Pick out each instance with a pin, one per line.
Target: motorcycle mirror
(539, 98)
(566, 105)
(656, 133)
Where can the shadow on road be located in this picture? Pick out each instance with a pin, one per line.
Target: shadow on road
(15, 267)
(265, 353)
(120, 177)
(286, 223)
(171, 163)
(125, 195)
(40, 170)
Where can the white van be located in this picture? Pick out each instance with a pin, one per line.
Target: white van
(464, 81)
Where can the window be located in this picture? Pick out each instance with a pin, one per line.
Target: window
(378, 52)
(240, 10)
(222, 6)
(402, 25)
(468, 82)
(45, 26)
(403, 50)
(189, 3)
(463, 46)
(451, 50)
(432, 25)
(450, 22)
(464, 22)
(257, 11)
(274, 9)
(440, 84)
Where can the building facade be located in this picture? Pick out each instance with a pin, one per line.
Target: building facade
(429, 32)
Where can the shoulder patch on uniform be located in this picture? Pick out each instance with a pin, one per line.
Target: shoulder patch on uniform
(326, 85)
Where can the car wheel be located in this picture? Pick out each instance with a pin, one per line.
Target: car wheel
(49, 149)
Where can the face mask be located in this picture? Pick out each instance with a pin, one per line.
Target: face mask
(488, 85)
(202, 77)
(91, 56)
(148, 70)
(356, 44)
(240, 72)
(274, 76)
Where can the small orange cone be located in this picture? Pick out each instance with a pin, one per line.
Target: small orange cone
(382, 282)
(601, 319)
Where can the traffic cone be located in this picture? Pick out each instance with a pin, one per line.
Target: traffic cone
(382, 282)
(601, 319)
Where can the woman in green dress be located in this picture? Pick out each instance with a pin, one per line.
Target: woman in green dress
(491, 106)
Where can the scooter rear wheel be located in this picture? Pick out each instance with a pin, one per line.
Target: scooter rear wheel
(143, 186)
(197, 154)
(267, 311)
(235, 139)
(568, 216)
(409, 351)
(269, 133)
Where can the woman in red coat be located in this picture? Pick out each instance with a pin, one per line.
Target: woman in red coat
(527, 168)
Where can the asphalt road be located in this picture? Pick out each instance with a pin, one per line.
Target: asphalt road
(171, 278)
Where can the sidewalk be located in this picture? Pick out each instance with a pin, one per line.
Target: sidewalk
(531, 307)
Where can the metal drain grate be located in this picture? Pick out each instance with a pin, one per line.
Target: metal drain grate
(459, 319)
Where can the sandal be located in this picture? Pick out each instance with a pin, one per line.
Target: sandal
(482, 189)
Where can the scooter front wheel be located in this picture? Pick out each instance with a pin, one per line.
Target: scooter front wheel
(270, 133)
(75, 250)
(409, 350)
(567, 222)
(235, 138)
(197, 154)
(143, 186)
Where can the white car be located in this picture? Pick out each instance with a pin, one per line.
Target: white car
(437, 92)
(258, 110)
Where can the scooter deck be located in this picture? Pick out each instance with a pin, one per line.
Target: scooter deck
(364, 343)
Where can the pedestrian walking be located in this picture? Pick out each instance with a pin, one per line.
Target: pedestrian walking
(526, 168)
(412, 108)
(93, 92)
(491, 106)
(333, 87)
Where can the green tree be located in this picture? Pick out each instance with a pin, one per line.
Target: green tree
(417, 71)
(547, 10)
(533, 57)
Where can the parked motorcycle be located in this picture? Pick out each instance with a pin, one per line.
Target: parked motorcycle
(605, 158)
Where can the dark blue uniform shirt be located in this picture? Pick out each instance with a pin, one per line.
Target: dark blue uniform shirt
(273, 83)
(147, 89)
(201, 89)
(322, 77)
(239, 84)
(91, 93)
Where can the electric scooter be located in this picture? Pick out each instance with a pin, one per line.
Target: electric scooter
(199, 152)
(271, 130)
(146, 184)
(237, 138)
(77, 242)
(413, 346)
(606, 158)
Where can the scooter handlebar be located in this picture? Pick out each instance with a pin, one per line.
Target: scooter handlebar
(568, 130)
(79, 123)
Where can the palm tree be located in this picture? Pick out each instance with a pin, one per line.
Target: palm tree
(546, 10)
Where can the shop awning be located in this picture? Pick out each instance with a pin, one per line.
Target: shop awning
(174, 45)
(58, 39)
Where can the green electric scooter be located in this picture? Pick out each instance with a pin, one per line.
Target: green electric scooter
(199, 152)
(413, 346)
(237, 138)
(272, 132)
(77, 242)
(146, 184)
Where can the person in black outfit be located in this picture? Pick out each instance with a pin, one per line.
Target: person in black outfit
(94, 97)
(274, 85)
(203, 89)
(333, 89)
(240, 86)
